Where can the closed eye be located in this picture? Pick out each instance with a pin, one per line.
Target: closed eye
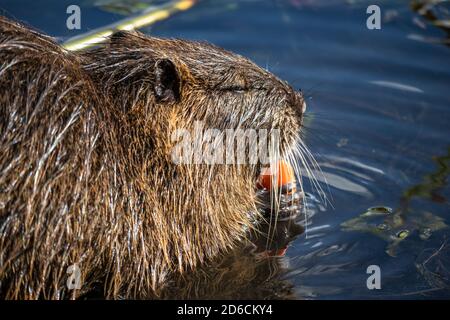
(237, 88)
(234, 89)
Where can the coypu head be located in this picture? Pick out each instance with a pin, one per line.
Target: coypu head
(207, 83)
(157, 86)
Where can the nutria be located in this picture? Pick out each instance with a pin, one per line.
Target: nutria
(86, 173)
(254, 269)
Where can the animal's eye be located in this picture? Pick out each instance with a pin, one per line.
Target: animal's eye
(234, 88)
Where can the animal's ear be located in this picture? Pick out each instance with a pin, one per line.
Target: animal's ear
(167, 81)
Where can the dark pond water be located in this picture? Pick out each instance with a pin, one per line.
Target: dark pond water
(378, 124)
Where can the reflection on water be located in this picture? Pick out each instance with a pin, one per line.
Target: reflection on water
(251, 271)
(378, 123)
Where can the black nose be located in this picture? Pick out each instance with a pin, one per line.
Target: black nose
(303, 102)
(298, 102)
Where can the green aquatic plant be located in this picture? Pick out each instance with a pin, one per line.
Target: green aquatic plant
(432, 183)
(393, 227)
(397, 225)
(124, 7)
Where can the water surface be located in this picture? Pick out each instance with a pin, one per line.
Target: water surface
(378, 124)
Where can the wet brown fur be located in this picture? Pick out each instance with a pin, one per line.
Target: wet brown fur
(86, 174)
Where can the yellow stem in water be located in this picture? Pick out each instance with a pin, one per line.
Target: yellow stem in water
(147, 17)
